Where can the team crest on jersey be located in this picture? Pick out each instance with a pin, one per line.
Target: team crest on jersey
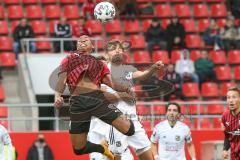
(177, 138)
(118, 144)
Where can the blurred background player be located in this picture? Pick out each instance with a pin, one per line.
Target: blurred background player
(171, 136)
(231, 123)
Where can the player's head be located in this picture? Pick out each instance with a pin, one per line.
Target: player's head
(84, 44)
(173, 111)
(115, 50)
(233, 98)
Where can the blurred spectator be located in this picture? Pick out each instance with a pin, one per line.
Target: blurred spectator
(230, 35)
(155, 36)
(233, 7)
(88, 9)
(23, 30)
(147, 9)
(129, 9)
(40, 150)
(205, 68)
(175, 34)
(185, 68)
(211, 36)
(174, 78)
(63, 30)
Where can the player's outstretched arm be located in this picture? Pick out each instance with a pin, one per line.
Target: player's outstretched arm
(191, 150)
(60, 87)
(142, 75)
(154, 151)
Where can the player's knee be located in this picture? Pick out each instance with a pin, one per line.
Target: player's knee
(131, 129)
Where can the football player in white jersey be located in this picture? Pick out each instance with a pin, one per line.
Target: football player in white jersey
(171, 136)
(5, 140)
(124, 75)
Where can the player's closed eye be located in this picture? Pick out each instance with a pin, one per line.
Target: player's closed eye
(125, 45)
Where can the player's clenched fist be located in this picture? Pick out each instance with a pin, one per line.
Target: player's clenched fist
(158, 65)
(58, 101)
(224, 155)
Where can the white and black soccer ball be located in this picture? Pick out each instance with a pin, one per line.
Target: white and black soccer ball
(104, 11)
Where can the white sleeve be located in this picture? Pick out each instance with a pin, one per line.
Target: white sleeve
(154, 137)
(109, 89)
(188, 137)
(7, 141)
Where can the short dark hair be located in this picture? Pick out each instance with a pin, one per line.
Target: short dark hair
(175, 104)
(234, 89)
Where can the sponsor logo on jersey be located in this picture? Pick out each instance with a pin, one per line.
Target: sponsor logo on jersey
(177, 138)
(118, 144)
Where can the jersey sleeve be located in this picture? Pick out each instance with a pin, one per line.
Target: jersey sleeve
(154, 137)
(64, 65)
(105, 71)
(188, 137)
(5, 137)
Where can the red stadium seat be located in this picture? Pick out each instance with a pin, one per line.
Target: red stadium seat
(10, 2)
(200, 10)
(147, 125)
(4, 27)
(177, 1)
(142, 110)
(209, 89)
(2, 13)
(3, 111)
(218, 10)
(203, 24)
(128, 58)
(6, 43)
(189, 25)
(119, 37)
(224, 87)
(131, 26)
(160, 55)
(223, 73)
(100, 44)
(141, 57)
(146, 24)
(51, 25)
(113, 27)
(43, 45)
(237, 73)
(193, 108)
(8, 59)
(165, 23)
(26, 2)
(195, 54)
(142, 1)
(217, 123)
(158, 1)
(67, 1)
(34, 12)
(191, 90)
(221, 22)
(175, 55)
(4, 123)
(163, 11)
(188, 122)
(52, 11)
(39, 27)
(138, 41)
(49, 1)
(95, 26)
(218, 57)
(14, 25)
(234, 57)
(159, 109)
(204, 123)
(73, 22)
(71, 11)
(2, 93)
(193, 41)
(195, 1)
(182, 10)
(215, 109)
(15, 12)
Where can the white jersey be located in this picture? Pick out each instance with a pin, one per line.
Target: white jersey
(170, 140)
(5, 140)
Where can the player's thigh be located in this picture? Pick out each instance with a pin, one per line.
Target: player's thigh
(78, 140)
(146, 155)
(97, 156)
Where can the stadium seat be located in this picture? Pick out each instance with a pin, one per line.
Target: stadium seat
(67, 1)
(119, 37)
(6, 43)
(234, 57)
(224, 87)
(188, 122)
(71, 11)
(100, 44)
(204, 123)
(200, 10)
(163, 11)
(3, 111)
(14, 25)
(156, 122)
(195, 1)
(39, 27)
(218, 57)
(182, 10)
(147, 125)
(128, 58)
(193, 108)
(237, 73)
(193, 41)
(165, 23)
(142, 110)
(146, 24)
(34, 12)
(218, 10)
(158, 1)
(203, 24)
(2, 13)
(191, 90)
(177, 1)
(27, 2)
(95, 26)
(160, 55)
(159, 109)
(83, 1)
(73, 22)
(3, 28)
(10, 2)
(217, 123)
(209, 89)
(48, 1)
(221, 22)
(141, 57)
(138, 41)
(15, 12)
(175, 55)
(142, 1)
(131, 26)
(146, 15)
(4, 123)
(189, 25)
(51, 25)
(2, 93)
(223, 73)
(195, 54)
(8, 59)
(52, 11)
(113, 27)
(43, 45)
(215, 109)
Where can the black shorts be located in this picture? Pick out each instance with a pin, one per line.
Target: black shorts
(84, 106)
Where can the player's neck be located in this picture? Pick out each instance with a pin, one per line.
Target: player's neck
(236, 112)
(172, 123)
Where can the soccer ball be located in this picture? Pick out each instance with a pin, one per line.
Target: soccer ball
(104, 11)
